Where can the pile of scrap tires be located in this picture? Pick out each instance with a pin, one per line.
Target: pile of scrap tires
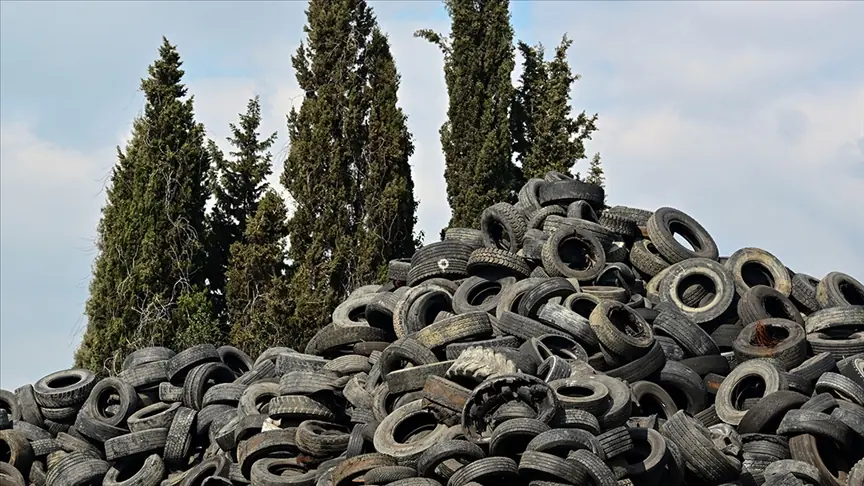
(562, 343)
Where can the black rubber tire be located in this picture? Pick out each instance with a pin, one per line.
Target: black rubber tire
(797, 422)
(765, 416)
(183, 362)
(148, 472)
(156, 416)
(771, 377)
(480, 294)
(804, 293)
(503, 227)
(542, 293)
(646, 258)
(692, 338)
(584, 265)
(789, 348)
(703, 458)
(708, 273)
(511, 438)
(200, 378)
(563, 192)
(680, 381)
(666, 222)
(497, 263)
(444, 259)
(621, 329)
(65, 388)
(763, 302)
(510, 298)
(839, 289)
(135, 444)
(755, 266)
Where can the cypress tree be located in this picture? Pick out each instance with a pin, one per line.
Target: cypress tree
(478, 62)
(545, 136)
(237, 185)
(148, 282)
(258, 295)
(325, 156)
(387, 190)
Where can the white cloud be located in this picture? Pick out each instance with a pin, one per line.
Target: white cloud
(737, 126)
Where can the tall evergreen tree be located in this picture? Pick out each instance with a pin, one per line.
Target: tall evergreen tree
(545, 136)
(237, 184)
(326, 154)
(148, 281)
(258, 294)
(478, 62)
(387, 190)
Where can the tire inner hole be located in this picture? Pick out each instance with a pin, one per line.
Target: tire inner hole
(5, 452)
(650, 405)
(483, 292)
(377, 317)
(238, 366)
(105, 400)
(754, 273)
(159, 408)
(750, 387)
(833, 457)
(576, 253)
(679, 398)
(695, 284)
(639, 452)
(767, 336)
(575, 391)
(652, 249)
(499, 235)
(434, 303)
(262, 402)
(583, 306)
(514, 443)
(554, 345)
(514, 307)
(62, 381)
(284, 470)
(851, 293)
(409, 430)
(775, 307)
(626, 322)
(357, 314)
(685, 236)
(128, 468)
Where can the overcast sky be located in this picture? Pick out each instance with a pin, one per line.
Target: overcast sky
(748, 116)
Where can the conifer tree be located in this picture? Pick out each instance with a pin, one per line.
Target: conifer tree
(545, 136)
(237, 185)
(148, 281)
(387, 229)
(478, 62)
(595, 172)
(326, 153)
(257, 290)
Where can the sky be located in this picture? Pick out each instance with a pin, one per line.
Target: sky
(748, 116)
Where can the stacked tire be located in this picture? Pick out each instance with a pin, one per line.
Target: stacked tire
(562, 342)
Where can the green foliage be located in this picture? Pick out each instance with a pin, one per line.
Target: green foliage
(257, 290)
(326, 148)
(237, 186)
(595, 172)
(149, 238)
(545, 136)
(478, 62)
(387, 228)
